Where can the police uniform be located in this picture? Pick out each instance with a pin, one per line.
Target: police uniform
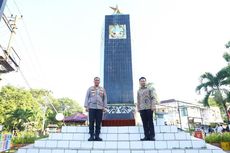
(95, 101)
(145, 103)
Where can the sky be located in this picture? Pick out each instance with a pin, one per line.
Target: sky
(173, 43)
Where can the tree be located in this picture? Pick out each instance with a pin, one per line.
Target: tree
(18, 118)
(40, 95)
(21, 108)
(216, 86)
(227, 45)
(16, 104)
(66, 106)
(213, 102)
(69, 106)
(226, 55)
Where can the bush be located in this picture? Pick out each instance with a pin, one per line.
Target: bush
(218, 137)
(23, 140)
(214, 138)
(26, 138)
(226, 137)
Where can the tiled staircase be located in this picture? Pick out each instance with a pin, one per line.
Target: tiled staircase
(73, 139)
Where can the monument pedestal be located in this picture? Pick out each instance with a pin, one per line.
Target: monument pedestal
(119, 115)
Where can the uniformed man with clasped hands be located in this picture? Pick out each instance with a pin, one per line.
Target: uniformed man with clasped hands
(95, 104)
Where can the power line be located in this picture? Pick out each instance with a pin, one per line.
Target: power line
(31, 43)
(19, 11)
(24, 78)
(34, 50)
(25, 46)
(46, 96)
(36, 64)
(30, 62)
(7, 7)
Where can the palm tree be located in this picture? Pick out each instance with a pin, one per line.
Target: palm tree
(19, 117)
(227, 45)
(217, 87)
(226, 55)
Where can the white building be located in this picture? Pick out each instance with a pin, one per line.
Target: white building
(185, 115)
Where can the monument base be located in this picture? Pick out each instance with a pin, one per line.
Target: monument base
(119, 115)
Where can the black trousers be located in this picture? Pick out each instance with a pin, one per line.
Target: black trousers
(147, 120)
(95, 115)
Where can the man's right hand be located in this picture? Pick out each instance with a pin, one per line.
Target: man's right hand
(104, 110)
(154, 109)
(86, 109)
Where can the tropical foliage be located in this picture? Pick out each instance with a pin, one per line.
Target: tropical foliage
(31, 110)
(218, 137)
(216, 86)
(213, 138)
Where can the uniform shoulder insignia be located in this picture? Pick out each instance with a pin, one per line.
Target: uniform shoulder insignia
(91, 88)
(101, 88)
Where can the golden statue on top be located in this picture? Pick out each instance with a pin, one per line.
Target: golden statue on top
(116, 10)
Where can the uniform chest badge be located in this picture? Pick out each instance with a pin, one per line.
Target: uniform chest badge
(101, 92)
(93, 92)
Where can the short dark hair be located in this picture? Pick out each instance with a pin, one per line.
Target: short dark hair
(142, 78)
(96, 78)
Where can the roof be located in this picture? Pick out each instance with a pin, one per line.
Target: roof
(78, 117)
(168, 101)
(182, 103)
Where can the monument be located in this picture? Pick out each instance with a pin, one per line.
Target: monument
(118, 80)
(2, 6)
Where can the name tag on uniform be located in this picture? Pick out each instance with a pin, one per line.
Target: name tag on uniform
(92, 92)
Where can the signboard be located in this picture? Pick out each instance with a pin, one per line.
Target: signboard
(198, 134)
(2, 6)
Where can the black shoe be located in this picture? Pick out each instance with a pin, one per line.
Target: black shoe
(144, 139)
(152, 139)
(98, 139)
(91, 138)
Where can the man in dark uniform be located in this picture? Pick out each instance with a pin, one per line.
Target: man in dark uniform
(95, 104)
(146, 105)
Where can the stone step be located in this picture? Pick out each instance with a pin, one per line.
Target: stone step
(121, 136)
(50, 150)
(122, 129)
(73, 139)
(117, 145)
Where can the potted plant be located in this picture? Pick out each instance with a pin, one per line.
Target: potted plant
(225, 142)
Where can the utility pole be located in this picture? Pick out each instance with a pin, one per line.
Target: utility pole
(44, 108)
(9, 60)
(178, 109)
(11, 23)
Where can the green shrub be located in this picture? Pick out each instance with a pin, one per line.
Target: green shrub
(214, 138)
(226, 137)
(26, 138)
(218, 137)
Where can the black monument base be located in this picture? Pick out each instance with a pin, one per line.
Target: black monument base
(119, 115)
